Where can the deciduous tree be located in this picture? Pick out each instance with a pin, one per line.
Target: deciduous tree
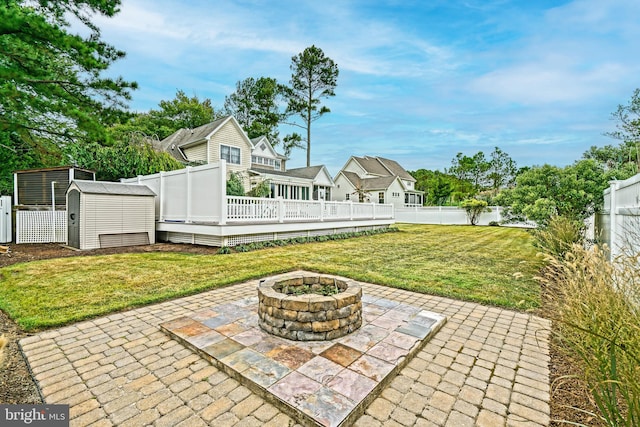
(256, 106)
(574, 191)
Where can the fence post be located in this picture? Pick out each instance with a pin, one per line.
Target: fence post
(613, 226)
(280, 209)
(224, 201)
(321, 210)
(161, 195)
(373, 210)
(350, 210)
(189, 191)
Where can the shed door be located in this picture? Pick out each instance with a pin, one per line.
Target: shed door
(73, 220)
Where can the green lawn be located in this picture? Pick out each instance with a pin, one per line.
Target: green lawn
(490, 265)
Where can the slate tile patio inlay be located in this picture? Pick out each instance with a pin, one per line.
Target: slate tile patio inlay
(324, 383)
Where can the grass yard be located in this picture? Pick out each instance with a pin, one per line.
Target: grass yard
(489, 265)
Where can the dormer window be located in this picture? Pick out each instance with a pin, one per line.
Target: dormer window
(230, 154)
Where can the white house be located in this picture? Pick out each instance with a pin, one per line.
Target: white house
(378, 180)
(254, 159)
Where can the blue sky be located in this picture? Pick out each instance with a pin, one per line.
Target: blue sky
(419, 80)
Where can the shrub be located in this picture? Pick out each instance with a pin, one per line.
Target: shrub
(598, 320)
(474, 208)
(224, 250)
(558, 236)
(235, 187)
(494, 224)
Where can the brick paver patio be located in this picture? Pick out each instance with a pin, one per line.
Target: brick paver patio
(485, 367)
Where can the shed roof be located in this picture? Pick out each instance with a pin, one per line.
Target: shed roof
(113, 188)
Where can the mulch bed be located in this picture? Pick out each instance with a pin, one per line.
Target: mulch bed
(18, 386)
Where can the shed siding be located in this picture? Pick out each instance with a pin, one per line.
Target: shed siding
(197, 153)
(108, 214)
(229, 135)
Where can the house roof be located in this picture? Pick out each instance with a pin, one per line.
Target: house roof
(113, 188)
(184, 137)
(372, 166)
(306, 173)
(383, 167)
(256, 142)
(396, 169)
(369, 184)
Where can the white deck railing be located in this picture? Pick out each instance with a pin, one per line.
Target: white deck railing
(255, 209)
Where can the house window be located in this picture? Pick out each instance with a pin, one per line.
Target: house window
(381, 197)
(230, 154)
(278, 164)
(347, 197)
(305, 193)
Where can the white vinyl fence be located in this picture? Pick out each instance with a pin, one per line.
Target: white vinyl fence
(618, 225)
(41, 226)
(198, 195)
(445, 215)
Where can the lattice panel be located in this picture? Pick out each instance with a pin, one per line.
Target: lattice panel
(38, 227)
(249, 238)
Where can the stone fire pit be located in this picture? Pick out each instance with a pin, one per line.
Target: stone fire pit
(294, 308)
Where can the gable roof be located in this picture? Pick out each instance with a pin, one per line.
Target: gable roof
(383, 167)
(372, 166)
(255, 142)
(185, 137)
(396, 169)
(369, 184)
(112, 188)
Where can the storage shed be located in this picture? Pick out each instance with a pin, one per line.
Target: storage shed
(109, 214)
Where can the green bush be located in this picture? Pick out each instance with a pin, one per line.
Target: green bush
(235, 187)
(224, 250)
(474, 208)
(558, 236)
